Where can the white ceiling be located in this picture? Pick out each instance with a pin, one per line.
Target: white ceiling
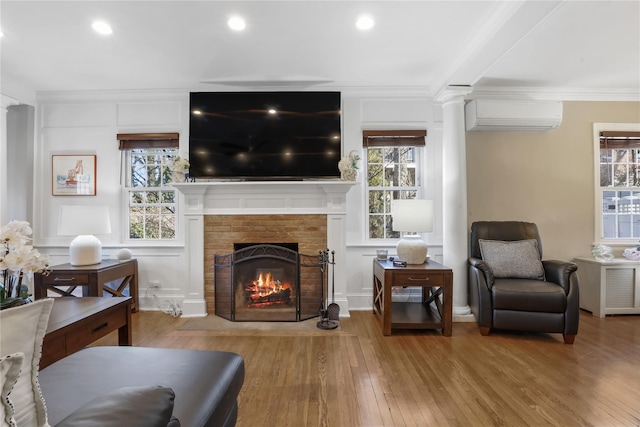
(570, 49)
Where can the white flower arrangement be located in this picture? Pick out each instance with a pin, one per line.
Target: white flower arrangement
(18, 259)
(179, 164)
(349, 162)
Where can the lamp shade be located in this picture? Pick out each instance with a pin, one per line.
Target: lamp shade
(414, 215)
(84, 222)
(76, 220)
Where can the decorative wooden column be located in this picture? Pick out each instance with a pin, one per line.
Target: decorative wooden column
(454, 193)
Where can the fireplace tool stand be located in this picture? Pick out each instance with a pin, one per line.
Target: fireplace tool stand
(327, 314)
(333, 310)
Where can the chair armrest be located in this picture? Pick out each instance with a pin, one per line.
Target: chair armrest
(480, 283)
(485, 268)
(559, 272)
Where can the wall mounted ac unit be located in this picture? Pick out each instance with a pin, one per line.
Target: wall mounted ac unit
(507, 115)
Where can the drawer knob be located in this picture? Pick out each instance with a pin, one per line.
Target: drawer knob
(411, 279)
(62, 279)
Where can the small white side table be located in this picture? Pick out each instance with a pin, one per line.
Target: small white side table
(609, 287)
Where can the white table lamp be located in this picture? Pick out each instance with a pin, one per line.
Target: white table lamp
(84, 222)
(415, 216)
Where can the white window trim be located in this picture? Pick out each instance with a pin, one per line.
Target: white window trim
(597, 128)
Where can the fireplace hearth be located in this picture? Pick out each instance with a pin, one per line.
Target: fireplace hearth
(268, 282)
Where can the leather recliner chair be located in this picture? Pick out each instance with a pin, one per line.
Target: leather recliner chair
(549, 304)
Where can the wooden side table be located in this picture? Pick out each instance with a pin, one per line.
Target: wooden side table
(432, 313)
(93, 279)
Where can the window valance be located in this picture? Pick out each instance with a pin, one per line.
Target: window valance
(390, 138)
(619, 139)
(129, 141)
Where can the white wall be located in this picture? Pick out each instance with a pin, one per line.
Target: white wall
(87, 123)
(387, 112)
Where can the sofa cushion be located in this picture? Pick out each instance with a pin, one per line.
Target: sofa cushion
(517, 259)
(149, 406)
(10, 366)
(22, 330)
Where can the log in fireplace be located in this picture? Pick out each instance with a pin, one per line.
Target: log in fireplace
(269, 282)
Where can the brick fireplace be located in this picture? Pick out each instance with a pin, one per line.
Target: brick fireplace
(222, 232)
(218, 214)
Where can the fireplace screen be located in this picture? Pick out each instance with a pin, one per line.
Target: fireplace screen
(268, 282)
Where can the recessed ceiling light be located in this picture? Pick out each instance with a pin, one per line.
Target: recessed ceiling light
(236, 23)
(101, 27)
(197, 112)
(365, 23)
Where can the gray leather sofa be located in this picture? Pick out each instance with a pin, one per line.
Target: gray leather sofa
(206, 385)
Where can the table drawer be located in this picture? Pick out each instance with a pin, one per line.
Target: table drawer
(96, 328)
(414, 278)
(66, 279)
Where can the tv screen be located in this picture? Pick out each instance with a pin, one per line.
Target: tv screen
(264, 135)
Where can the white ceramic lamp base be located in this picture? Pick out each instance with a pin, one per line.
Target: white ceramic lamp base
(412, 249)
(86, 249)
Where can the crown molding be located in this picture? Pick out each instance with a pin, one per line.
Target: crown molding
(555, 94)
(8, 101)
(112, 95)
(533, 93)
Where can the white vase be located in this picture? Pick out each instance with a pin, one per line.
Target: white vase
(350, 175)
(178, 176)
(412, 249)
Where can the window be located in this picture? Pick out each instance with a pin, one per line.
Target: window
(392, 173)
(151, 203)
(618, 192)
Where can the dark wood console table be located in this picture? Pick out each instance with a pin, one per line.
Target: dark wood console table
(75, 323)
(93, 279)
(432, 313)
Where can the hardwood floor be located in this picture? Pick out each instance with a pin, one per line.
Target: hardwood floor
(420, 378)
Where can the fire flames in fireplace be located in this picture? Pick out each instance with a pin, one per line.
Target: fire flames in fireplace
(267, 290)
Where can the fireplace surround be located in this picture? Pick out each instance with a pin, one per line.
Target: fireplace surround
(290, 202)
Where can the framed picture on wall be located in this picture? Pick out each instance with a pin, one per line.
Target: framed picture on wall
(73, 174)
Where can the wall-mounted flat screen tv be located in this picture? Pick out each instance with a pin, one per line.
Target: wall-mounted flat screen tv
(264, 135)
